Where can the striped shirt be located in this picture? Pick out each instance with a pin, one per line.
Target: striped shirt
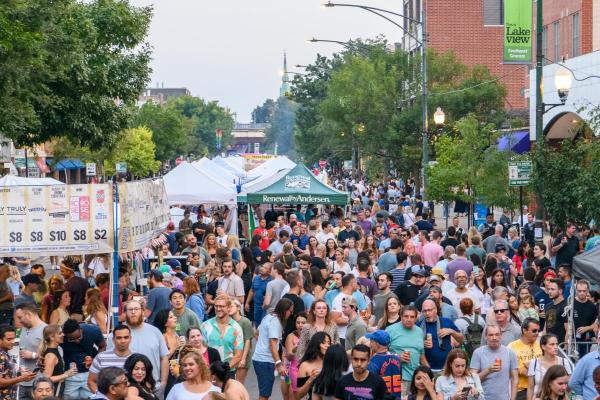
(108, 358)
(398, 275)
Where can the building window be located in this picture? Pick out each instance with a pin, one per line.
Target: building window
(545, 44)
(493, 12)
(556, 33)
(575, 36)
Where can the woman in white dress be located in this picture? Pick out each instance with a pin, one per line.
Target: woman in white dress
(197, 384)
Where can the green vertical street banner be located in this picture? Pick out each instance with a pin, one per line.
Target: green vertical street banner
(518, 31)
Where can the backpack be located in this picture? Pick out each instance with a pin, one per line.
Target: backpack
(473, 336)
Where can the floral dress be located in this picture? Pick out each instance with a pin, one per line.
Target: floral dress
(8, 370)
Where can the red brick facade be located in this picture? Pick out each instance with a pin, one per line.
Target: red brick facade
(458, 25)
(563, 11)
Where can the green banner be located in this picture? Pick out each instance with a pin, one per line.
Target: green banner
(518, 31)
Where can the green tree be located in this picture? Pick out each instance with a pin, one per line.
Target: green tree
(137, 149)
(204, 118)
(469, 166)
(168, 129)
(370, 100)
(281, 131)
(263, 114)
(566, 179)
(66, 67)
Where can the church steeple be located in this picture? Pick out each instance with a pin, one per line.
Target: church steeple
(285, 79)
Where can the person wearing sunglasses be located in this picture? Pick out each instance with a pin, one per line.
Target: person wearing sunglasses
(509, 330)
(112, 384)
(81, 344)
(526, 348)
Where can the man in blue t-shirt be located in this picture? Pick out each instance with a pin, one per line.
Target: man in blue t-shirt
(257, 292)
(385, 364)
(438, 331)
(81, 344)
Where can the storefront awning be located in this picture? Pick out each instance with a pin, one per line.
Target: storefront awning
(68, 164)
(517, 142)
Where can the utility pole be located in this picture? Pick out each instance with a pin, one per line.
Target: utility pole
(539, 100)
(424, 95)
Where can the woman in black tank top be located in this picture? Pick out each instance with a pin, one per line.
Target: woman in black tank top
(50, 362)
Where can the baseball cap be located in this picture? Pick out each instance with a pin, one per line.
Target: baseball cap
(438, 271)
(165, 268)
(156, 275)
(350, 300)
(420, 271)
(500, 247)
(173, 263)
(31, 278)
(550, 274)
(167, 277)
(379, 336)
(434, 277)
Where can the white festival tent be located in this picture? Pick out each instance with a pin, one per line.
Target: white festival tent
(271, 167)
(236, 162)
(187, 185)
(234, 167)
(209, 167)
(12, 180)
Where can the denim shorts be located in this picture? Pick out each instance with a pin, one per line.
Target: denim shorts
(265, 376)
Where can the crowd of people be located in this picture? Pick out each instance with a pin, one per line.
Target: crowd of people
(373, 304)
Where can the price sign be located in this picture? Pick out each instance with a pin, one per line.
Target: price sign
(56, 220)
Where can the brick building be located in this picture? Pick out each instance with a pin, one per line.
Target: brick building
(568, 29)
(473, 30)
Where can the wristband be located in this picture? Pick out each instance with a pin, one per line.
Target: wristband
(277, 362)
(34, 355)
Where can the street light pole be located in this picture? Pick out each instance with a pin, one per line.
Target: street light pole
(424, 94)
(423, 43)
(539, 100)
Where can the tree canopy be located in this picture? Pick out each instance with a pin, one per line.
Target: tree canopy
(67, 66)
(203, 118)
(168, 128)
(367, 98)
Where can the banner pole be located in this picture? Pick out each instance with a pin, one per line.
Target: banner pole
(115, 280)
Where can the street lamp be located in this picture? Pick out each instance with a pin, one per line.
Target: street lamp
(439, 117)
(563, 81)
(421, 42)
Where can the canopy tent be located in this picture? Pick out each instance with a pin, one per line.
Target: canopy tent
(188, 185)
(237, 162)
(298, 186)
(230, 166)
(219, 173)
(12, 180)
(271, 167)
(261, 184)
(585, 265)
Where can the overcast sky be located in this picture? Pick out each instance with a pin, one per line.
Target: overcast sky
(232, 50)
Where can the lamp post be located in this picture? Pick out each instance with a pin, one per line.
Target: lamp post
(423, 43)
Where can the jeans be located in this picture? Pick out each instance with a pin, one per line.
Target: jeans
(259, 314)
(76, 387)
(265, 377)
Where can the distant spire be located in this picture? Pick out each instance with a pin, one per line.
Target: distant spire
(285, 79)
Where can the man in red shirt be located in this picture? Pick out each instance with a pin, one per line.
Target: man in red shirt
(263, 232)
